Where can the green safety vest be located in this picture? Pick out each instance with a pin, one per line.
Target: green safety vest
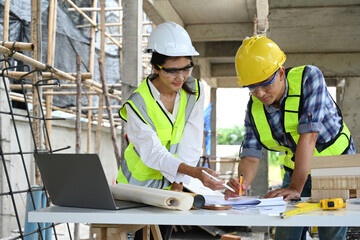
(132, 169)
(291, 113)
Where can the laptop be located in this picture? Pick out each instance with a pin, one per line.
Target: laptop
(78, 180)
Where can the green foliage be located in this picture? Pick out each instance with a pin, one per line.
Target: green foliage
(235, 135)
(273, 158)
(230, 136)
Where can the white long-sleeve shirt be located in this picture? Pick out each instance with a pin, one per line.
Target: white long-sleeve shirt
(154, 154)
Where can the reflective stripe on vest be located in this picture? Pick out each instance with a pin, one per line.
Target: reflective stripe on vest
(133, 170)
(291, 107)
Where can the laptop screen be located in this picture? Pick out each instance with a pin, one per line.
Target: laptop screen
(75, 180)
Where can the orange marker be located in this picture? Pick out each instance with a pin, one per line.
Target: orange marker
(241, 182)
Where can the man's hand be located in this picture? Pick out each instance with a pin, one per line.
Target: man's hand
(287, 193)
(234, 183)
(304, 150)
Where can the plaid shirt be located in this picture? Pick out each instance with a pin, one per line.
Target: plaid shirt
(319, 115)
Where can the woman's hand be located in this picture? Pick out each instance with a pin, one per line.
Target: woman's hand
(208, 181)
(196, 172)
(177, 186)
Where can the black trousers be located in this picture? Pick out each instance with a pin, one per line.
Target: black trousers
(165, 230)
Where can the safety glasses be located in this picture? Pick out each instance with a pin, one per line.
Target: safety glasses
(264, 86)
(173, 72)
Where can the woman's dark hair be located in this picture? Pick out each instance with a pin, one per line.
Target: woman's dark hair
(160, 59)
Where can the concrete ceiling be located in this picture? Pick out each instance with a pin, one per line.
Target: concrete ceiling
(325, 33)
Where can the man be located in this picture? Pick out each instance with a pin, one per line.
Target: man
(289, 111)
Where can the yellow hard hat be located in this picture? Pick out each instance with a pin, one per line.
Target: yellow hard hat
(257, 59)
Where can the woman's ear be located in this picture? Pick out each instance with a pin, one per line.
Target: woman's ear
(155, 71)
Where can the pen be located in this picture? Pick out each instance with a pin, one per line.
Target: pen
(241, 182)
(216, 179)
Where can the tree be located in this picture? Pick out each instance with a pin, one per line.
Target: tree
(230, 136)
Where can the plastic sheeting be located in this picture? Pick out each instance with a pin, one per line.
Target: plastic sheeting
(69, 42)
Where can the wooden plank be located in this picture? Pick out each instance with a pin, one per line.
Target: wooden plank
(230, 237)
(91, 70)
(93, 9)
(155, 230)
(35, 31)
(146, 232)
(6, 25)
(17, 46)
(113, 231)
(50, 61)
(6, 20)
(335, 171)
(317, 195)
(108, 108)
(45, 75)
(101, 97)
(350, 160)
(337, 182)
(92, 22)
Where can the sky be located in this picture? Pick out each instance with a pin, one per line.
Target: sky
(231, 106)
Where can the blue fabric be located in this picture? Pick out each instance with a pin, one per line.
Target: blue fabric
(319, 114)
(207, 129)
(295, 233)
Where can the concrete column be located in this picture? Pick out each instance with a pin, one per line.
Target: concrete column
(351, 109)
(131, 74)
(260, 185)
(213, 125)
(5, 126)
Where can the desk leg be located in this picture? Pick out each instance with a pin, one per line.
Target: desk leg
(120, 232)
(123, 230)
(146, 232)
(113, 231)
(103, 232)
(156, 232)
(99, 231)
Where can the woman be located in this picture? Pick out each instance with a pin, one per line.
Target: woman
(165, 118)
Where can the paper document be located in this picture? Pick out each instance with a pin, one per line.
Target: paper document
(196, 186)
(245, 201)
(263, 210)
(152, 196)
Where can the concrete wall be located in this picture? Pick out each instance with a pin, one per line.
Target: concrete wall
(351, 109)
(6, 209)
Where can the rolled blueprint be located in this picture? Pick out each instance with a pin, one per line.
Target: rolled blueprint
(152, 196)
(199, 201)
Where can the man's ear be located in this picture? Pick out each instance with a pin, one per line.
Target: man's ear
(282, 73)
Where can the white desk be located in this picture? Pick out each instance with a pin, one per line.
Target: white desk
(159, 216)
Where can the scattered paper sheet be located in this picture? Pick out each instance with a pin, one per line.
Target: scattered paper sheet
(264, 210)
(196, 186)
(245, 201)
(216, 197)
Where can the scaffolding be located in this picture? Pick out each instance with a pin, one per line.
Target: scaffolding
(35, 83)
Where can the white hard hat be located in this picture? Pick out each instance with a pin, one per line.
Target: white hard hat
(170, 39)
